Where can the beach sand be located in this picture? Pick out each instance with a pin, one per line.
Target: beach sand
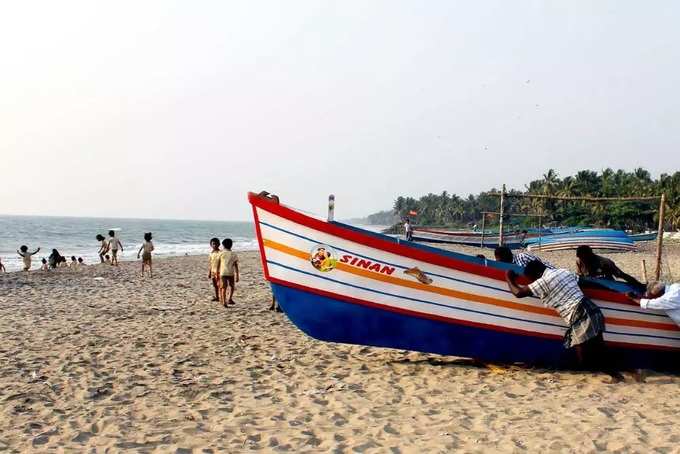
(151, 365)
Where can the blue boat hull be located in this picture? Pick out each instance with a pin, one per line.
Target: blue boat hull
(335, 320)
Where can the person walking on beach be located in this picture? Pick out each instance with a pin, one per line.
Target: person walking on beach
(147, 248)
(589, 264)
(103, 247)
(559, 289)
(26, 256)
(2, 267)
(229, 273)
(214, 267)
(408, 230)
(114, 244)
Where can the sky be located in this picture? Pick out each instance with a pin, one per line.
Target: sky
(178, 109)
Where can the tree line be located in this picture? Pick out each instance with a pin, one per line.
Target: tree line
(450, 210)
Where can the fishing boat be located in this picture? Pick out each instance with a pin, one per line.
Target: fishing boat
(488, 240)
(607, 239)
(340, 283)
(643, 236)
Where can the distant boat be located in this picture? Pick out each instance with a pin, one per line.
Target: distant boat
(609, 239)
(467, 237)
(340, 283)
(644, 236)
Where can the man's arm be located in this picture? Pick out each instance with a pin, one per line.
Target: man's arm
(520, 291)
(139, 251)
(35, 252)
(237, 271)
(660, 303)
(616, 271)
(19, 252)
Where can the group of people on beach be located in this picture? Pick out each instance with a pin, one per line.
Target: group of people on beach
(111, 246)
(560, 289)
(53, 262)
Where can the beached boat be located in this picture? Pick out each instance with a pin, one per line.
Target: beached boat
(643, 236)
(490, 240)
(609, 239)
(339, 283)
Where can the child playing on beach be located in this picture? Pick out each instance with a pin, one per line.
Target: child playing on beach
(214, 267)
(80, 262)
(107, 259)
(44, 266)
(114, 245)
(26, 256)
(229, 272)
(74, 262)
(103, 246)
(147, 247)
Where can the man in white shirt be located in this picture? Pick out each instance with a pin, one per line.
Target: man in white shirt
(408, 229)
(665, 297)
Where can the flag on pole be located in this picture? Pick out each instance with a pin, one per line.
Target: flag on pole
(413, 213)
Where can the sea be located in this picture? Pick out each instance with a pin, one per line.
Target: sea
(75, 236)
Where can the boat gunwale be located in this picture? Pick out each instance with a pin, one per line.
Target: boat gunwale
(434, 256)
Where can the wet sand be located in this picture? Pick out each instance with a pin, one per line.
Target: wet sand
(152, 365)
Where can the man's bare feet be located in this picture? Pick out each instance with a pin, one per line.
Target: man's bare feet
(215, 299)
(615, 377)
(231, 302)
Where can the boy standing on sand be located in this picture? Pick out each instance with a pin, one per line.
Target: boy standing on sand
(147, 248)
(214, 267)
(114, 245)
(26, 256)
(229, 273)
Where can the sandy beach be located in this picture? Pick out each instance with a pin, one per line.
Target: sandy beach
(102, 360)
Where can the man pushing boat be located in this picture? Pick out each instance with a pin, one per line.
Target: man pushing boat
(559, 289)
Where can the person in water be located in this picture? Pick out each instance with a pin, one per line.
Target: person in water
(559, 290)
(114, 245)
(229, 273)
(145, 250)
(103, 247)
(26, 256)
(214, 267)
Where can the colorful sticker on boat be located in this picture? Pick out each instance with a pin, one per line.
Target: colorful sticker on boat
(323, 258)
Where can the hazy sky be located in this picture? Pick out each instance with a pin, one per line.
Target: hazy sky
(177, 109)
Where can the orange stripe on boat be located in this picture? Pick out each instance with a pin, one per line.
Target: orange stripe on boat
(461, 295)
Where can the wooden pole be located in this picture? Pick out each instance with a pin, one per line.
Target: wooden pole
(500, 224)
(659, 237)
(643, 266)
(331, 208)
(540, 230)
(481, 244)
